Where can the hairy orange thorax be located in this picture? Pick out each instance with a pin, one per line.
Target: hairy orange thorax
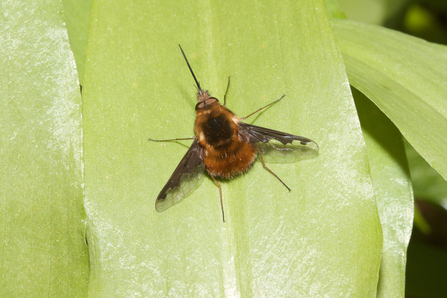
(226, 154)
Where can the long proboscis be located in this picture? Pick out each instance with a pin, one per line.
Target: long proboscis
(189, 66)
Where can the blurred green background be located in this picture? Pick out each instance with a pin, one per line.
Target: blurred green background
(426, 272)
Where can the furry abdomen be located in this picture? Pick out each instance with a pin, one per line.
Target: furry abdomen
(231, 161)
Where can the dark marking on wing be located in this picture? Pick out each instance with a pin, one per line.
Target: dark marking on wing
(277, 143)
(184, 178)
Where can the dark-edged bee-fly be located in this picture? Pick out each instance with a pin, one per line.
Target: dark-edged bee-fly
(225, 146)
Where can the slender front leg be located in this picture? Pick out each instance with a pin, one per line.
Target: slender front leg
(220, 192)
(263, 107)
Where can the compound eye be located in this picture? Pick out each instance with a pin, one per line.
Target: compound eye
(207, 102)
(200, 105)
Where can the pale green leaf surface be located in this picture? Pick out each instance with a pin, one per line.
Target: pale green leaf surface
(372, 11)
(77, 18)
(322, 238)
(43, 252)
(393, 192)
(334, 9)
(406, 78)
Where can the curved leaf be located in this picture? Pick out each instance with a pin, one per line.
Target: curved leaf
(393, 192)
(42, 244)
(406, 78)
(322, 238)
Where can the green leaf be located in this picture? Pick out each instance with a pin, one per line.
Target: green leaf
(393, 192)
(372, 11)
(42, 218)
(77, 17)
(406, 78)
(323, 238)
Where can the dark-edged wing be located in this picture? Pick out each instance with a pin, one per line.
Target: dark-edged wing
(184, 178)
(277, 143)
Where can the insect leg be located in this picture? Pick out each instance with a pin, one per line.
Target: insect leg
(265, 167)
(220, 192)
(226, 91)
(263, 107)
(171, 140)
